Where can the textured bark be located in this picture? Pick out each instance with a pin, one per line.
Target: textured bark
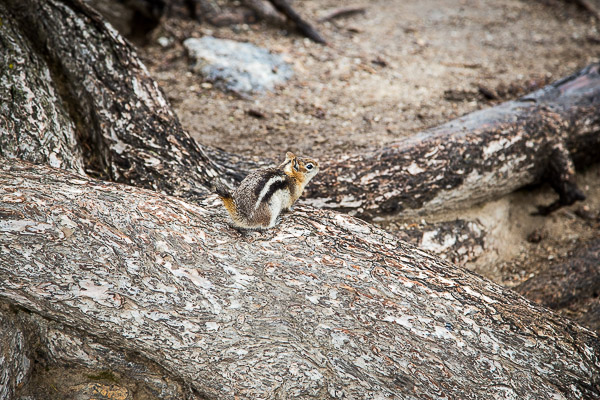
(15, 364)
(62, 346)
(121, 115)
(475, 158)
(571, 284)
(457, 241)
(33, 124)
(348, 312)
(28, 339)
(322, 306)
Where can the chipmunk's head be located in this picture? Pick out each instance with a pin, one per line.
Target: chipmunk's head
(301, 169)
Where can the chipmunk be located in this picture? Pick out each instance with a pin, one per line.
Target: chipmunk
(265, 193)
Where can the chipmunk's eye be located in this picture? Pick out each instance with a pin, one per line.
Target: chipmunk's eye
(309, 166)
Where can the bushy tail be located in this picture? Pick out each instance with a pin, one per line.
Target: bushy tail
(223, 191)
(227, 196)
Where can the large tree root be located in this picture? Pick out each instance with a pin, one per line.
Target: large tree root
(169, 280)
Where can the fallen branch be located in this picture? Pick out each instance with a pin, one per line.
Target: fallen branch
(592, 6)
(264, 10)
(475, 158)
(171, 282)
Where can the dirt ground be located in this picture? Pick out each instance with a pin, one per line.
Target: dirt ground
(399, 68)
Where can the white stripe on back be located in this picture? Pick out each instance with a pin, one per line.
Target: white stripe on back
(265, 190)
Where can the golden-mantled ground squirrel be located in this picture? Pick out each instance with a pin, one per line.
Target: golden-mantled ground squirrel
(265, 193)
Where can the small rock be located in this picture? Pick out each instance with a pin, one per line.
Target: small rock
(584, 212)
(164, 41)
(239, 67)
(256, 113)
(100, 391)
(536, 236)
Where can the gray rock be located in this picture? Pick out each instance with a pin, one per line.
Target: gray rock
(236, 66)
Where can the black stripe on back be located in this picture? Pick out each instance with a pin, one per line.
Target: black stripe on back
(274, 187)
(263, 180)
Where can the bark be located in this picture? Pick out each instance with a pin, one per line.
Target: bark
(15, 363)
(63, 346)
(475, 158)
(458, 241)
(33, 124)
(121, 115)
(31, 345)
(570, 285)
(170, 281)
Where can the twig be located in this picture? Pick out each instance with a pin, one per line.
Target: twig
(283, 7)
(343, 12)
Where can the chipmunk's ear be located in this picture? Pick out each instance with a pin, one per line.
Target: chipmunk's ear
(293, 160)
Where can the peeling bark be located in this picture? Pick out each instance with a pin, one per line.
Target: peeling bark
(475, 158)
(458, 241)
(573, 284)
(171, 281)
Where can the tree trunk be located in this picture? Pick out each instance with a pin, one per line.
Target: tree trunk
(34, 125)
(348, 312)
(122, 117)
